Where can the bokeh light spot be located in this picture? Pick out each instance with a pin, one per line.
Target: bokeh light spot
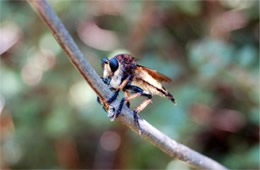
(110, 141)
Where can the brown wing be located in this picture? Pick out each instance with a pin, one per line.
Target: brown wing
(158, 76)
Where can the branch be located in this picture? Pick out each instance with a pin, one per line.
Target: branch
(151, 134)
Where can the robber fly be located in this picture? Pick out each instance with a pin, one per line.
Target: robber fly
(122, 73)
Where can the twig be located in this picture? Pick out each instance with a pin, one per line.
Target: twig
(151, 134)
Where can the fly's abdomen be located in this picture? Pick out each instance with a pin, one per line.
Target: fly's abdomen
(169, 96)
(154, 89)
(163, 92)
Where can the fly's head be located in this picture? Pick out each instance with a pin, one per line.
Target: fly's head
(110, 66)
(117, 68)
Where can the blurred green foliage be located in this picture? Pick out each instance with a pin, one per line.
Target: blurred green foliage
(50, 117)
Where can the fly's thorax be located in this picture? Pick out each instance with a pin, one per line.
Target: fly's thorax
(128, 62)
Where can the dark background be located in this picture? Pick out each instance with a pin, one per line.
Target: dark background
(49, 114)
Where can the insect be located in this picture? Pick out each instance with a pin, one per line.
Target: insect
(123, 73)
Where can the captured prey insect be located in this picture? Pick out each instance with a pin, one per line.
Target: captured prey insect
(122, 73)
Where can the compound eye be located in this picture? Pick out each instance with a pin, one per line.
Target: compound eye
(113, 63)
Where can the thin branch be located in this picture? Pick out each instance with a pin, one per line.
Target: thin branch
(151, 134)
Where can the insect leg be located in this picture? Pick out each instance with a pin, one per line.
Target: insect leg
(143, 105)
(98, 100)
(126, 99)
(123, 100)
(120, 107)
(122, 85)
(140, 108)
(107, 82)
(139, 92)
(127, 94)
